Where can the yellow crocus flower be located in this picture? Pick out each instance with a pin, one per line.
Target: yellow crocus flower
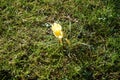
(57, 31)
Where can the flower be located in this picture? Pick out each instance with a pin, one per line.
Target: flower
(57, 30)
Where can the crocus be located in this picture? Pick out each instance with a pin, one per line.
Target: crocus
(57, 31)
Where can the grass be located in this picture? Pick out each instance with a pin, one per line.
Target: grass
(30, 51)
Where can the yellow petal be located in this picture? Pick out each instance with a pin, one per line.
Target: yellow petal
(56, 26)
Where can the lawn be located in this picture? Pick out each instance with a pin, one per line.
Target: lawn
(30, 51)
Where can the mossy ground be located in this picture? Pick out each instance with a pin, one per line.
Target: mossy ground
(30, 51)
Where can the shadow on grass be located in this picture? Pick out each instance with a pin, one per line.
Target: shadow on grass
(5, 75)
